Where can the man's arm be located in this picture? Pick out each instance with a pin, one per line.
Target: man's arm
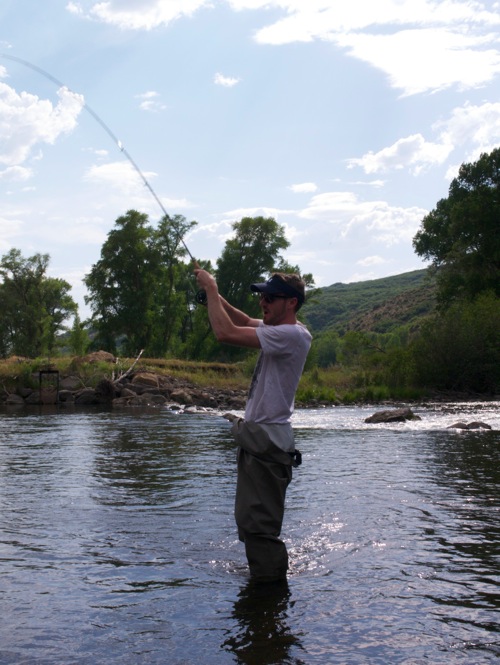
(238, 317)
(228, 323)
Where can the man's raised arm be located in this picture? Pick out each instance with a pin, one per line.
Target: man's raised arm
(229, 324)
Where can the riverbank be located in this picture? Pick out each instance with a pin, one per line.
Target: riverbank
(101, 378)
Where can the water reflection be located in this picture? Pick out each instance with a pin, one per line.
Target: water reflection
(263, 635)
(466, 566)
(118, 544)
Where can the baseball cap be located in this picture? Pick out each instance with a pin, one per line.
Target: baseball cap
(277, 286)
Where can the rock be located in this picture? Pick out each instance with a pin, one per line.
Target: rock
(14, 400)
(105, 390)
(238, 403)
(126, 392)
(394, 416)
(473, 425)
(66, 396)
(120, 402)
(35, 398)
(86, 396)
(181, 397)
(70, 383)
(145, 379)
(99, 356)
(477, 424)
(24, 392)
(153, 398)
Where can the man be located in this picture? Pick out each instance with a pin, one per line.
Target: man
(266, 448)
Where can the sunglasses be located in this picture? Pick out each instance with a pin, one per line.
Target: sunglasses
(268, 298)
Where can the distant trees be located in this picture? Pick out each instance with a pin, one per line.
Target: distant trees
(34, 306)
(458, 347)
(462, 234)
(142, 293)
(252, 255)
(137, 290)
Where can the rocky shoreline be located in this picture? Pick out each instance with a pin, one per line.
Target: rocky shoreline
(136, 390)
(143, 388)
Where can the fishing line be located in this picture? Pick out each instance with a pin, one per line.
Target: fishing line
(108, 131)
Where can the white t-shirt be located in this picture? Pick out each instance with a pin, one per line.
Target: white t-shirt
(284, 349)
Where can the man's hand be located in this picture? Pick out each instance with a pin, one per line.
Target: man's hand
(205, 280)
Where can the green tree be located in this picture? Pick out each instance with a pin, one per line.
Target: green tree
(120, 285)
(325, 348)
(461, 235)
(250, 256)
(459, 349)
(79, 340)
(138, 290)
(34, 306)
(175, 290)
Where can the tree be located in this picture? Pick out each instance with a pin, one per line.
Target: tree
(138, 291)
(34, 306)
(79, 339)
(461, 235)
(459, 349)
(250, 256)
(120, 285)
(175, 290)
(325, 348)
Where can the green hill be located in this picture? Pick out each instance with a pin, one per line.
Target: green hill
(378, 305)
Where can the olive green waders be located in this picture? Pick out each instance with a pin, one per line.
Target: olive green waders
(264, 473)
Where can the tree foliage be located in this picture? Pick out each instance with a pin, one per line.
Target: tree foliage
(142, 294)
(459, 349)
(461, 235)
(34, 306)
(137, 289)
(249, 256)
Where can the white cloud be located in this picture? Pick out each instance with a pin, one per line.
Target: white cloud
(378, 220)
(371, 261)
(150, 102)
(304, 187)
(120, 175)
(16, 173)
(421, 45)
(26, 121)
(421, 60)
(136, 14)
(225, 81)
(476, 125)
(412, 152)
(121, 179)
(10, 227)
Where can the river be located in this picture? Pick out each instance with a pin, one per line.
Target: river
(118, 544)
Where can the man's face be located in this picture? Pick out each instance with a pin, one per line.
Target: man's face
(275, 309)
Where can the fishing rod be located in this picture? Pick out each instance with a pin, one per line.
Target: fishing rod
(201, 296)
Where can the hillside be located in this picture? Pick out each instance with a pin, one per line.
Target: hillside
(379, 305)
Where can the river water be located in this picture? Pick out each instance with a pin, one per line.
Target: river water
(118, 545)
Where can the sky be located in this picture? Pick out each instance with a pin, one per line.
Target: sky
(344, 120)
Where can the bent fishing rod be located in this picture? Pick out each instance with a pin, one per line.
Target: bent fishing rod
(201, 296)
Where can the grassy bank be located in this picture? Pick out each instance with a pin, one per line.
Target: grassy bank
(335, 385)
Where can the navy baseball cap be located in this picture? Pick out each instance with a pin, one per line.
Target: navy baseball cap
(277, 286)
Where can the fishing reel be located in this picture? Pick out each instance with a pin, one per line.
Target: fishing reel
(201, 297)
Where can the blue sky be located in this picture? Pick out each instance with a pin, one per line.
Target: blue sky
(344, 120)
